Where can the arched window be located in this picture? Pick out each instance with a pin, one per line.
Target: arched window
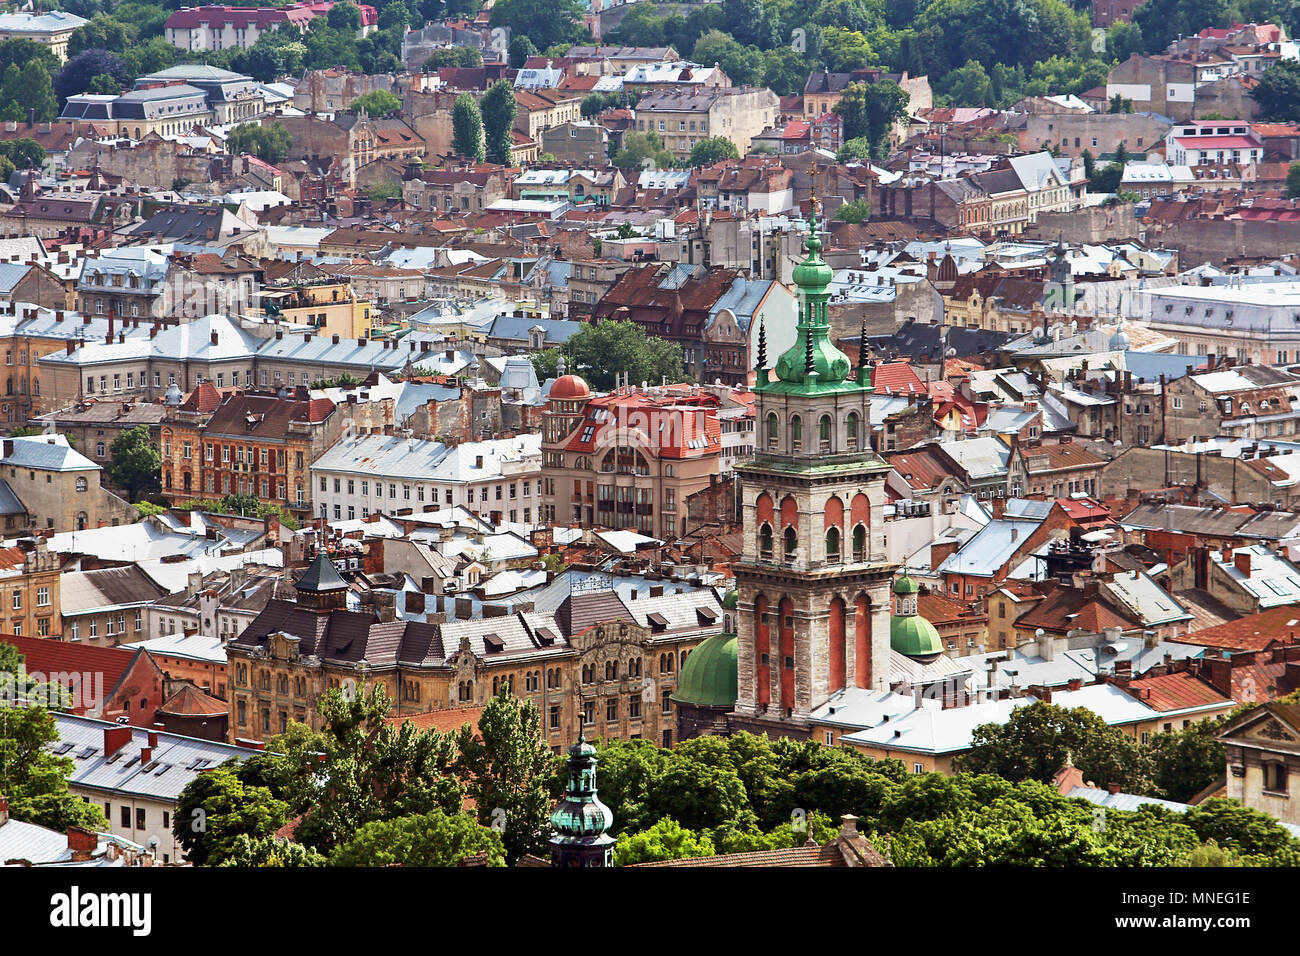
(851, 431)
(773, 430)
(765, 542)
(832, 544)
(824, 433)
(791, 544)
(860, 543)
(796, 433)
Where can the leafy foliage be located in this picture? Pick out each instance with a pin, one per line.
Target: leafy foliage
(638, 147)
(216, 808)
(269, 143)
(376, 103)
(467, 128)
(855, 211)
(136, 461)
(1038, 739)
(430, 839)
(711, 150)
(510, 772)
(498, 107)
(598, 351)
(1278, 92)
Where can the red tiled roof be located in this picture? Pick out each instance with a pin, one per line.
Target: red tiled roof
(444, 721)
(1254, 632)
(897, 378)
(1177, 691)
(50, 656)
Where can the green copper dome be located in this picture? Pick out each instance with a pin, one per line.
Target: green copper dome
(813, 364)
(905, 585)
(914, 636)
(709, 676)
(731, 599)
(580, 816)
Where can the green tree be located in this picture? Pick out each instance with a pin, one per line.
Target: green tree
(269, 143)
(856, 211)
(34, 779)
(1038, 739)
(1161, 21)
(638, 147)
(248, 851)
(521, 48)
(376, 103)
(344, 16)
(431, 839)
(454, 56)
(1187, 761)
(711, 150)
(369, 770)
(1123, 39)
(1278, 92)
(1242, 830)
(785, 70)
(498, 108)
(35, 94)
(742, 64)
(598, 351)
(544, 22)
(467, 129)
(20, 52)
(24, 153)
(1107, 179)
(216, 808)
(508, 768)
(857, 148)
(665, 840)
(845, 50)
(869, 111)
(104, 85)
(103, 32)
(1293, 181)
(969, 85)
(135, 461)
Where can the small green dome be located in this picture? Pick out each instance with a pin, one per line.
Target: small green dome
(905, 585)
(731, 599)
(913, 636)
(709, 676)
(813, 273)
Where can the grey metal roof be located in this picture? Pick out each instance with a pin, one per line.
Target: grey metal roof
(47, 453)
(176, 760)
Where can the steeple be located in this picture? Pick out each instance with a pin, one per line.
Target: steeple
(813, 364)
(762, 346)
(864, 360)
(321, 587)
(580, 824)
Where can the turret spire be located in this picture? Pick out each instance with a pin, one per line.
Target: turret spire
(762, 345)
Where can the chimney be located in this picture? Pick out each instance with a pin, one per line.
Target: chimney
(848, 825)
(146, 754)
(4, 810)
(153, 738)
(1241, 558)
(1113, 788)
(214, 338)
(334, 339)
(115, 738)
(82, 843)
(71, 346)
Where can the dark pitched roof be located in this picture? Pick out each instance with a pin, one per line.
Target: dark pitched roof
(321, 576)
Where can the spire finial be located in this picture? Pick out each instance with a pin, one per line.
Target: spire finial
(762, 344)
(863, 351)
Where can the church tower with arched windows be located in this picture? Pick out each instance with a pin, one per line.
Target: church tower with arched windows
(814, 608)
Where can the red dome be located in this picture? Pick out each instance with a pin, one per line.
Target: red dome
(570, 387)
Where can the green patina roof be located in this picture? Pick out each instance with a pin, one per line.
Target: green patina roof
(709, 677)
(730, 601)
(912, 635)
(905, 585)
(813, 365)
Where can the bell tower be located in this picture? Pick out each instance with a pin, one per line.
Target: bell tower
(813, 582)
